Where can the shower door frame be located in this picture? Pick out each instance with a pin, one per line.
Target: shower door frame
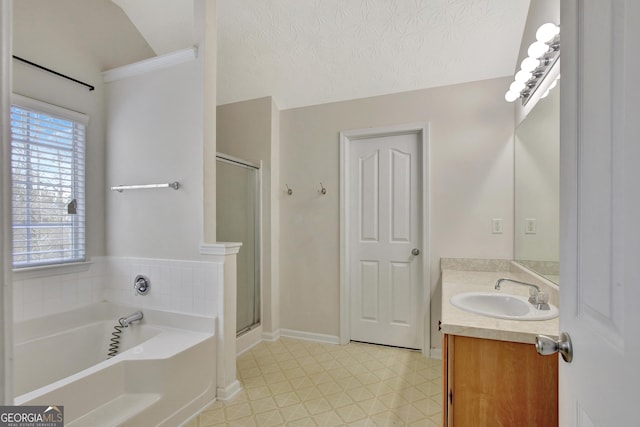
(257, 168)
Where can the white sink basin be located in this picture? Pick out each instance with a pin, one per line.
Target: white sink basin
(503, 306)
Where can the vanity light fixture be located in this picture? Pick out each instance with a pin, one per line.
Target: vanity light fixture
(543, 53)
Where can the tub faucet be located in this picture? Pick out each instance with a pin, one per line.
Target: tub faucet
(134, 317)
(537, 297)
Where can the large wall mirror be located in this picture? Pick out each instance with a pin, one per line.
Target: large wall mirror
(537, 188)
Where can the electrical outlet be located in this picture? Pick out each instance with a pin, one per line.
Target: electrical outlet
(530, 226)
(496, 225)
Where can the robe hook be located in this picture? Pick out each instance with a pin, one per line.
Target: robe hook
(322, 189)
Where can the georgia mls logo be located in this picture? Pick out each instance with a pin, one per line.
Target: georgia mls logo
(32, 416)
(56, 410)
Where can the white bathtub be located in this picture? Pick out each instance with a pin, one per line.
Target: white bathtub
(163, 374)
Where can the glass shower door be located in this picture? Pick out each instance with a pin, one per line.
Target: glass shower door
(238, 221)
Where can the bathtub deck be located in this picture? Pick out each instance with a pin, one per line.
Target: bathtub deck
(117, 411)
(161, 379)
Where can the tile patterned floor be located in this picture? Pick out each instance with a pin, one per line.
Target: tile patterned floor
(299, 383)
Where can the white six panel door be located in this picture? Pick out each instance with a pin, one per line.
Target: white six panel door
(385, 227)
(600, 212)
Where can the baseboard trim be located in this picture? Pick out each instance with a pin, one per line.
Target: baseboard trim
(436, 353)
(229, 391)
(271, 336)
(310, 336)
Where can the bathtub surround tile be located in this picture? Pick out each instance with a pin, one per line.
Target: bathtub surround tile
(40, 295)
(33, 289)
(18, 305)
(69, 289)
(53, 289)
(189, 287)
(32, 310)
(293, 382)
(179, 286)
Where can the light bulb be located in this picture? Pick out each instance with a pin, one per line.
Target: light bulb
(547, 32)
(511, 96)
(545, 94)
(554, 84)
(517, 86)
(529, 64)
(538, 49)
(523, 76)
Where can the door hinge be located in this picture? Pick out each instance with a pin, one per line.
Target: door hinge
(439, 325)
(450, 397)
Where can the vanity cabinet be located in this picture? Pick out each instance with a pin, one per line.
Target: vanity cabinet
(497, 383)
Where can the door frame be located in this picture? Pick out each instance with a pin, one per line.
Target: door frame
(346, 137)
(6, 294)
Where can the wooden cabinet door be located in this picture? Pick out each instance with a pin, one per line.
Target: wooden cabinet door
(498, 383)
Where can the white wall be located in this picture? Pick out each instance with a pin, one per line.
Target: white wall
(155, 134)
(471, 131)
(53, 289)
(166, 153)
(40, 85)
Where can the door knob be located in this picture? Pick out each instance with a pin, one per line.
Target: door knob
(415, 251)
(546, 346)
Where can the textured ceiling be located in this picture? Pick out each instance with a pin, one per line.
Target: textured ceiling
(305, 52)
(315, 51)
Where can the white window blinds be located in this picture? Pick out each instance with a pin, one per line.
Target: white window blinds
(48, 183)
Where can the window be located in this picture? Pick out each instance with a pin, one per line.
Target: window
(48, 183)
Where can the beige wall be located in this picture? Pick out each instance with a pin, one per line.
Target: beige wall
(249, 130)
(471, 178)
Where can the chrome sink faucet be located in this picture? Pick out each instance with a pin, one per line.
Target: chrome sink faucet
(537, 297)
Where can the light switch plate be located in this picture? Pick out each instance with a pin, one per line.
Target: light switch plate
(496, 225)
(530, 226)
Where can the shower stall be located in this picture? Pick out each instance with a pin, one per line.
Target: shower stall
(238, 220)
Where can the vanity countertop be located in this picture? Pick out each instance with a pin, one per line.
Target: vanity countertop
(460, 322)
